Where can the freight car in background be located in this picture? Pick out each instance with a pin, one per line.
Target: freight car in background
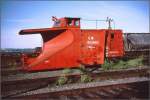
(136, 41)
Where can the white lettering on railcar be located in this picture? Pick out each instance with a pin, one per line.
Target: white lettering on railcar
(92, 41)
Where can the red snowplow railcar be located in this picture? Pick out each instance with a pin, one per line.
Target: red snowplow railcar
(65, 45)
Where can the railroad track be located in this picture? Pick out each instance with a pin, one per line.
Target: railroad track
(23, 77)
(127, 88)
(12, 87)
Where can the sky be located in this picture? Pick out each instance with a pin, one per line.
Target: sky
(130, 16)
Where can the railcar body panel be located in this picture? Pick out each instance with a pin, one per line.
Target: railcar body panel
(92, 46)
(115, 45)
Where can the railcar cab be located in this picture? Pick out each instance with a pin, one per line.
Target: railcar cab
(66, 22)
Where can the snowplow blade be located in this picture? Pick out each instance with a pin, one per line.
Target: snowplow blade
(53, 46)
(50, 48)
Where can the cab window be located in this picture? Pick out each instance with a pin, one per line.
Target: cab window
(70, 22)
(77, 23)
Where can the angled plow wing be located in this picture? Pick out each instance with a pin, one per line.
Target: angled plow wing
(52, 47)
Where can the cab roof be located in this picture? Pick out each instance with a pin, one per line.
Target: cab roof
(72, 18)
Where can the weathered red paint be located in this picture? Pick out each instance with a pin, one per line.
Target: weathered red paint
(66, 45)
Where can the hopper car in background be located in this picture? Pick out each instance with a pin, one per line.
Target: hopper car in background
(136, 41)
(66, 45)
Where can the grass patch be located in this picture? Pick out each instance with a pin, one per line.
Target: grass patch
(63, 79)
(85, 78)
(107, 65)
(122, 64)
